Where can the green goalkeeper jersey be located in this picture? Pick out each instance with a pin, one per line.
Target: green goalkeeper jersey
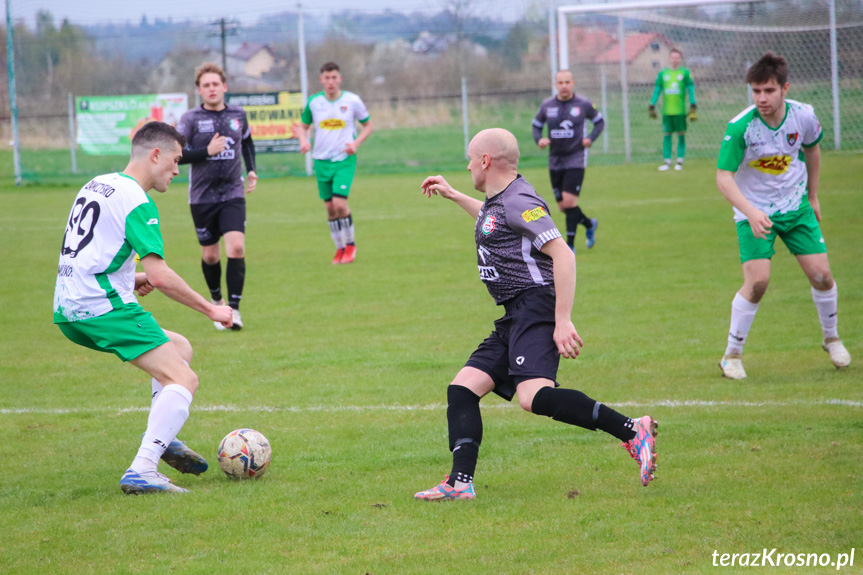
(672, 84)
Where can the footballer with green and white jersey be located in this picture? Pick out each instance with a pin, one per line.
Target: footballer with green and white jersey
(674, 84)
(768, 170)
(112, 222)
(333, 114)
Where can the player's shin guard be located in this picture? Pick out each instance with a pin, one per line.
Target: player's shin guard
(465, 432)
(235, 277)
(575, 408)
(827, 304)
(213, 277)
(742, 315)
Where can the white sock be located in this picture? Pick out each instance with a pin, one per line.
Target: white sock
(742, 316)
(347, 227)
(336, 234)
(827, 303)
(167, 416)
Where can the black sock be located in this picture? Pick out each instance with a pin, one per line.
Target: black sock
(213, 277)
(573, 216)
(235, 276)
(465, 432)
(575, 408)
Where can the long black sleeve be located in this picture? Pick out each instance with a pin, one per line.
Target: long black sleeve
(192, 156)
(598, 127)
(249, 153)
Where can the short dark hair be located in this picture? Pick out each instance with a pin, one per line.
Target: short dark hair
(678, 50)
(330, 67)
(155, 135)
(770, 65)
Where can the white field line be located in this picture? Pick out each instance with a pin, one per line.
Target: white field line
(670, 403)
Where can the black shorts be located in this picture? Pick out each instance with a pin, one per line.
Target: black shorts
(568, 180)
(212, 221)
(521, 347)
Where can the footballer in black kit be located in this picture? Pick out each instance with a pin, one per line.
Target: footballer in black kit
(530, 271)
(568, 142)
(218, 142)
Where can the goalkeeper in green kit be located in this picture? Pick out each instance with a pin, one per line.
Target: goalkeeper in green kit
(671, 83)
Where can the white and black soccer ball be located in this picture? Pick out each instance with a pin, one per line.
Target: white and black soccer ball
(244, 453)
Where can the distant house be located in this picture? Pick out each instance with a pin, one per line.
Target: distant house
(251, 59)
(645, 55)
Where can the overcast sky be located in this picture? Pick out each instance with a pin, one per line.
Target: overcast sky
(84, 12)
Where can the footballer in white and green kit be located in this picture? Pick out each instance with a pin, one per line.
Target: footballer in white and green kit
(112, 221)
(333, 115)
(768, 170)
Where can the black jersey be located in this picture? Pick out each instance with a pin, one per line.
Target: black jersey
(218, 178)
(567, 129)
(511, 229)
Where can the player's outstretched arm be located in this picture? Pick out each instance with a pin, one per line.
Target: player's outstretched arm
(172, 285)
(568, 341)
(758, 220)
(437, 185)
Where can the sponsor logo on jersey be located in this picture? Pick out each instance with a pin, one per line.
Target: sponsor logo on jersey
(153, 222)
(65, 271)
(332, 124)
(574, 111)
(565, 131)
(534, 214)
(488, 274)
(234, 124)
(792, 138)
(488, 224)
(773, 165)
(206, 126)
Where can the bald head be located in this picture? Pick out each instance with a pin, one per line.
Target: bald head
(493, 160)
(500, 145)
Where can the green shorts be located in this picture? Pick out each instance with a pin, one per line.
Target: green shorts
(335, 178)
(128, 332)
(799, 231)
(671, 124)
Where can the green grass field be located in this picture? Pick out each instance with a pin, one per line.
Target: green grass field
(345, 369)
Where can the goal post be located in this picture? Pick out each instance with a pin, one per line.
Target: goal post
(616, 50)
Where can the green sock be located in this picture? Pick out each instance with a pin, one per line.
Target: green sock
(666, 147)
(681, 147)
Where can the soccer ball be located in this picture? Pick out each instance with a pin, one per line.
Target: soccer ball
(244, 453)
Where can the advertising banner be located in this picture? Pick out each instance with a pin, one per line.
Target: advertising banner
(271, 115)
(106, 124)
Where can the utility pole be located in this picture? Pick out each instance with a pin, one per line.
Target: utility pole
(226, 28)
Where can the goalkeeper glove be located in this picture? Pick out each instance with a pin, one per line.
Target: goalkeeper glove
(692, 115)
(651, 111)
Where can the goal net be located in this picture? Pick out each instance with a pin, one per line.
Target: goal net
(719, 41)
